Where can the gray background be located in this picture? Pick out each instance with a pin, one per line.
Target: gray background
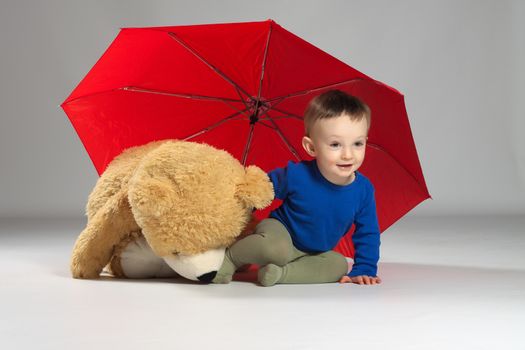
(459, 64)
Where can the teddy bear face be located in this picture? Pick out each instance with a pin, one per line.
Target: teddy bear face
(189, 198)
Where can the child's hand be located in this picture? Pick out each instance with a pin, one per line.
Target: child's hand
(360, 280)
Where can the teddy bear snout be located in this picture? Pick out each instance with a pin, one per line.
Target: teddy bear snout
(197, 267)
(207, 277)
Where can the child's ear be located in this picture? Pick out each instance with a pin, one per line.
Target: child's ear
(308, 146)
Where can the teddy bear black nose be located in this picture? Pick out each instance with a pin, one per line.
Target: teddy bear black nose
(207, 277)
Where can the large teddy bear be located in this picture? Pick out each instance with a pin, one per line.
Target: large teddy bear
(168, 207)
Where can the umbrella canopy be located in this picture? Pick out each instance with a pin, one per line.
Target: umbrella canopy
(241, 87)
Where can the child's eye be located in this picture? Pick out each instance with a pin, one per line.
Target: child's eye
(335, 144)
(359, 144)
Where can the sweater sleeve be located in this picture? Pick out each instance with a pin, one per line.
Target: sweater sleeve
(366, 239)
(279, 178)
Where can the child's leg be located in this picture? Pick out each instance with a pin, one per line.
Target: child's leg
(320, 268)
(269, 244)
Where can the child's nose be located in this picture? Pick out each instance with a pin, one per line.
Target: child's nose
(347, 153)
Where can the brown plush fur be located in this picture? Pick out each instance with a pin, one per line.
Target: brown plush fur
(184, 197)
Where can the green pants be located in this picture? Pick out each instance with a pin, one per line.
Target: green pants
(271, 244)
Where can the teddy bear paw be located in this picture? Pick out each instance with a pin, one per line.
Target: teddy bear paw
(82, 273)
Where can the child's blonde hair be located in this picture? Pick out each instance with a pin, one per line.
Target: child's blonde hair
(334, 103)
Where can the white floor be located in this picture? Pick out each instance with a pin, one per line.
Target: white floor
(448, 283)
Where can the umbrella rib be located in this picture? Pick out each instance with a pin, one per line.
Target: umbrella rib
(247, 146)
(279, 132)
(263, 68)
(258, 101)
(272, 107)
(244, 103)
(89, 95)
(266, 125)
(287, 113)
(381, 149)
(304, 92)
(213, 126)
(215, 69)
(159, 92)
(283, 138)
(243, 112)
(283, 117)
(226, 101)
(242, 99)
(175, 94)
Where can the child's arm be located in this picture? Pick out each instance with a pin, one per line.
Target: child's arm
(279, 178)
(366, 239)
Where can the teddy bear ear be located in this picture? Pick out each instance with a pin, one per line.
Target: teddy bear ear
(256, 190)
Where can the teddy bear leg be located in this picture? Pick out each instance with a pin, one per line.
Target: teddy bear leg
(95, 245)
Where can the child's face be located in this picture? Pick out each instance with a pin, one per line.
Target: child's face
(339, 145)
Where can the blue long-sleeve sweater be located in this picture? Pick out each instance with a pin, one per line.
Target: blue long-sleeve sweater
(318, 213)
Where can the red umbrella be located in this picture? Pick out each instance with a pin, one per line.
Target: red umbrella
(242, 87)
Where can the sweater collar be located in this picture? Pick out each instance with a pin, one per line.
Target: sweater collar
(327, 183)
